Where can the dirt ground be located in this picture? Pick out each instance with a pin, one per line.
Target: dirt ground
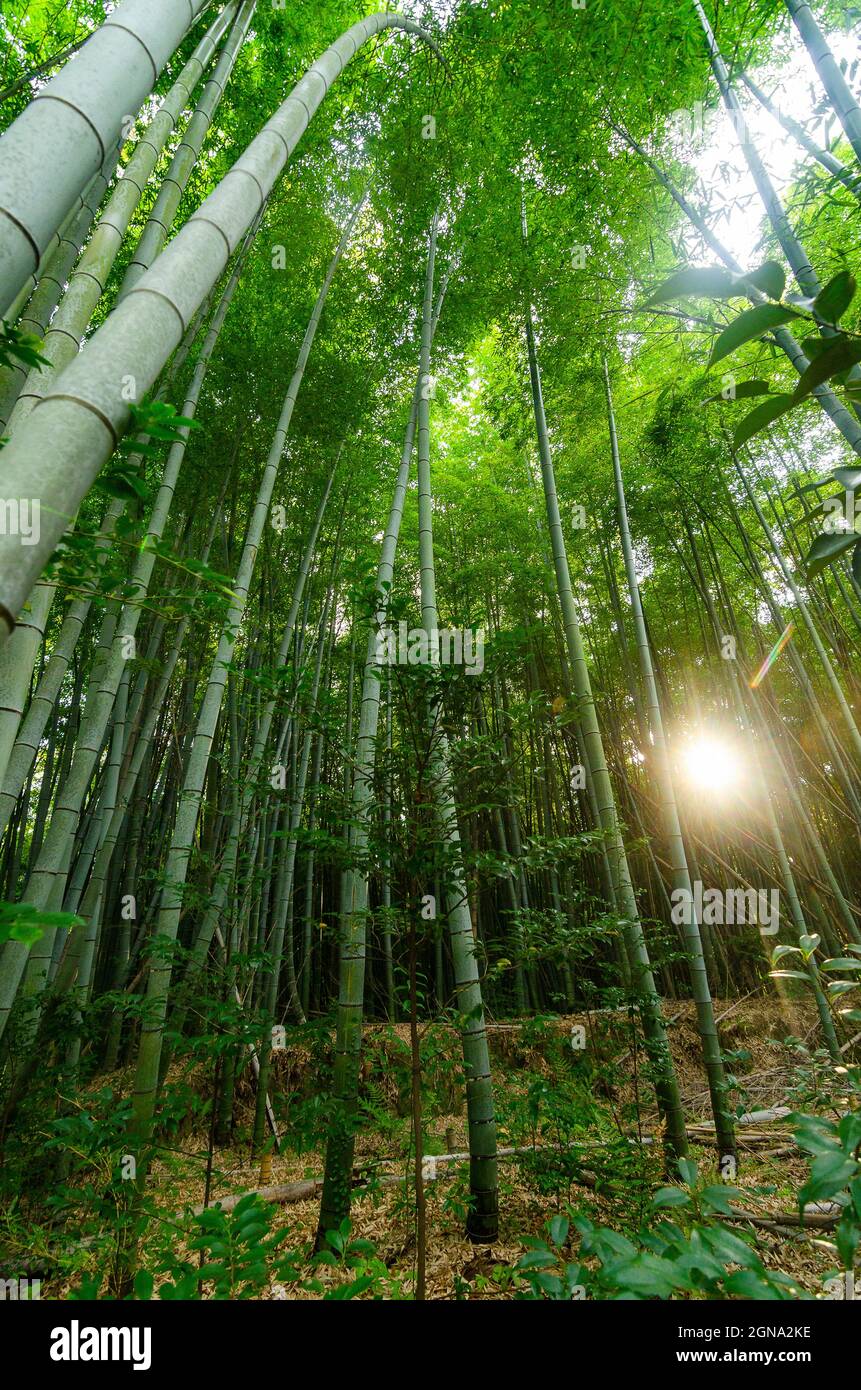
(754, 1028)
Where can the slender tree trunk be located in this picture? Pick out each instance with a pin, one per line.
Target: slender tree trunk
(642, 979)
(832, 79)
(672, 828)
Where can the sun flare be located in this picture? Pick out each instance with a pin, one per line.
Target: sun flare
(710, 764)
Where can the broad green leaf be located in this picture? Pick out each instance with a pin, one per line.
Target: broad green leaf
(559, 1227)
(761, 416)
(697, 282)
(744, 389)
(750, 324)
(813, 346)
(730, 1248)
(780, 951)
(670, 1197)
(849, 1130)
(119, 485)
(842, 352)
(717, 1198)
(832, 302)
(847, 1237)
(829, 1173)
(537, 1259)
(826, 548)
(688, 1170)
(769, 278)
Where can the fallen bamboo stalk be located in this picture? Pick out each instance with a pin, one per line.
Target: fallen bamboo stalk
(308, 1188)
(821, 1220)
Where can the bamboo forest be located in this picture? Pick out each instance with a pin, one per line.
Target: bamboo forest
(430, 603)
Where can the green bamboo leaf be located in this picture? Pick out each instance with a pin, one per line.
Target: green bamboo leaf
(832, 302)
(826, 548)
(670, 1197)
(750, 324)
(813, 346)
(769, 278)
(558, 1228)
(780, 951)
(849, 1130)
(841, 353)
(829, 1173)
(755, 387)
(697, 282)
(761, 416)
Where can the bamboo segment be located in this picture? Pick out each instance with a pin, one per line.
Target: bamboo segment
(58, 142)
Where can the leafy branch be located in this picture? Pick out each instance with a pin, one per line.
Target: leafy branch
(831, 360)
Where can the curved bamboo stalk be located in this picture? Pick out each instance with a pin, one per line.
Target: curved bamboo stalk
(52, 279)
(48, 874)
(57, 453)
(60, 139)
(191, 796)
(90, 276)
(175, 181)
(62, 344)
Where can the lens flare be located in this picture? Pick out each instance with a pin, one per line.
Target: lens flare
(710, 764)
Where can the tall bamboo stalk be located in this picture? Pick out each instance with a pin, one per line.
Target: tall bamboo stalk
(669, 811)
(57, 453)
(642, 979)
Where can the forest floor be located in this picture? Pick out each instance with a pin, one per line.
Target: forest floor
(580, 1114)
(572, 1100)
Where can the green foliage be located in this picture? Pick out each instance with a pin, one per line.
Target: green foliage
(25, 923)
(832, 360)
(17, 346)
(355, 1260)
(835, 1173)
(695, 1255)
